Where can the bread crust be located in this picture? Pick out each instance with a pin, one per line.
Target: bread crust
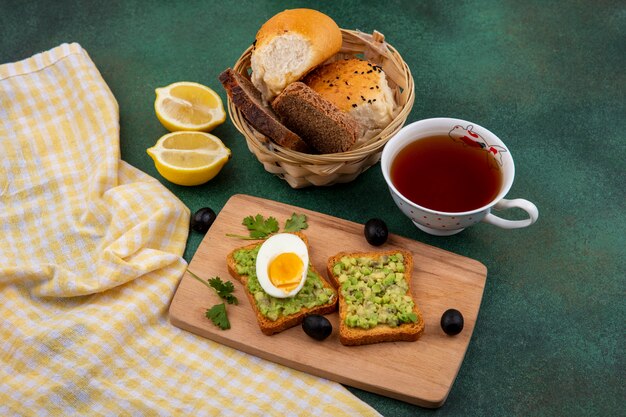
(267, 326)
(321, 31)
(356, 87)
(315, 36)
(247, 99)
(346, 82)
(319, 122)
(354, 336)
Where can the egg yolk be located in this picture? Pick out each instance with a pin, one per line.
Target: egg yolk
(285, 271)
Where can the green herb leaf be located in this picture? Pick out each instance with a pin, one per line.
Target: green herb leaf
(217, 314)
(296, 223)
(224, 290)
(259, 227)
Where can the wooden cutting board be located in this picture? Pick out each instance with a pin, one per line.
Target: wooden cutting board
(420, 372)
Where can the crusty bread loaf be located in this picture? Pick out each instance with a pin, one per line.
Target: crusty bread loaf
(318, 122)
(289, 45)
(353, 336)
(248, 100)
(357, 87)
(267, 326)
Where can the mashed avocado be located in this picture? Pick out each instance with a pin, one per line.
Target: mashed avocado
(375, 291)
(312, 294)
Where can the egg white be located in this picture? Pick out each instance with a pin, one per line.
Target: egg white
(270, 249)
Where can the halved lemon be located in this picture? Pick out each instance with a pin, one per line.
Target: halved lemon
(189, 158)
(189, 106)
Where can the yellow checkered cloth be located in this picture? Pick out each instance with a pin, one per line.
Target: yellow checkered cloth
(90, 256)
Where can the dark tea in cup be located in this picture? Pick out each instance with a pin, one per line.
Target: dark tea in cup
(447, 175)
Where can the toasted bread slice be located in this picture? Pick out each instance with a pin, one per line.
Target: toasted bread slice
(318, 121)
(248, 100)
(403, 330)
(283, 322)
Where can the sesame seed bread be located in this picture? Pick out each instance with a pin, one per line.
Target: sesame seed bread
(356, 87)
(318, 122)
(354, 336)
(289, 45)
(267, 326)
(248, 100)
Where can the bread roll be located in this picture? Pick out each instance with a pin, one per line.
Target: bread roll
(289, 45)
(358, 88)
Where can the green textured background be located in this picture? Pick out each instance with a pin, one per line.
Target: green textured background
(548, 77)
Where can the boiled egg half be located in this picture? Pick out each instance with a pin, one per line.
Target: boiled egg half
(282, 264)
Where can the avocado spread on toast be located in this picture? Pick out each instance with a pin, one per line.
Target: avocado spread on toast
(375, 291)
(312, 294)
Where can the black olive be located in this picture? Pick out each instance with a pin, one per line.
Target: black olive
(203, 219)
(376, 232)
(316, 326)
(452, 322)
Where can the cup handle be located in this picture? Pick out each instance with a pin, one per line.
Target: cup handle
(525, 205)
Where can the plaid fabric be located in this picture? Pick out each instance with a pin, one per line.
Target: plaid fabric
(90, 256)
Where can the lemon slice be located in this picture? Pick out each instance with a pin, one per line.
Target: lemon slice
(189, 106)
(189, 158)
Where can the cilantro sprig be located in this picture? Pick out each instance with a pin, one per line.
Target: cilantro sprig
(217, 313)
(224, 290)
(295, 223)
(260, 227)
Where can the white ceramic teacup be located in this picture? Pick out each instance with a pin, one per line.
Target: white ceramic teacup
(448, 223)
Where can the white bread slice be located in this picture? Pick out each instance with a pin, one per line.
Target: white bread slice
(354, 336)
(289, 45)
(284, 322)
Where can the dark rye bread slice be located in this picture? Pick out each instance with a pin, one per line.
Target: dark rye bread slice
(247, 99)
(319, 122)
(267, 326)
(354, 336)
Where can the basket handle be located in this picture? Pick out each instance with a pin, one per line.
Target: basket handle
(378, 37)
(377, 46)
